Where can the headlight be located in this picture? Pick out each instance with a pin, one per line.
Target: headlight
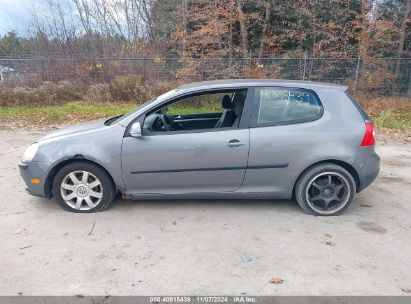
(30, 152)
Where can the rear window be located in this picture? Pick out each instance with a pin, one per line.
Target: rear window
(279, 106)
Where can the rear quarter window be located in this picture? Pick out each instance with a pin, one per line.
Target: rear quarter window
(280, 106)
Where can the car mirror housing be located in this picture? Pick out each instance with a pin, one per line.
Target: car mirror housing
(135, 130)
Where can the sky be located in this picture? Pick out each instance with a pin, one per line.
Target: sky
(15, 15)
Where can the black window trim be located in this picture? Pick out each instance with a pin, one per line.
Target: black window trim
(244, 120)
(255, 108)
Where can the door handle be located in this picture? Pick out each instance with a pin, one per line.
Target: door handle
(235, 143)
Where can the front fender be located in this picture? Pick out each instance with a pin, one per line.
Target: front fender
(102, 146)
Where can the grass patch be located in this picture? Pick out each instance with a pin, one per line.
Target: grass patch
(72, 111)
(393, 120)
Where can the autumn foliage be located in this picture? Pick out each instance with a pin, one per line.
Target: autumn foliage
(362, 43)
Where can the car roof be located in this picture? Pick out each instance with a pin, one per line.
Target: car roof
(234, 83)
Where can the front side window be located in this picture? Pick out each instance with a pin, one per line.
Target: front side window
(213, 110)
(279, 106)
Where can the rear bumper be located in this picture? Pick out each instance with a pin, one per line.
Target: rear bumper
(369, 170)
(36, 170)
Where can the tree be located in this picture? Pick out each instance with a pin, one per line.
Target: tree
(406, 21)
(10, 45)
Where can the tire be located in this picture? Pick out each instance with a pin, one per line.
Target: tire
(325, 189)
(83, 187)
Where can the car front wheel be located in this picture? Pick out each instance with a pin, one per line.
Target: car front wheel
(325, 189)
(83, 187)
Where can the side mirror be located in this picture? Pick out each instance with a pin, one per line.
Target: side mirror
(135, 130)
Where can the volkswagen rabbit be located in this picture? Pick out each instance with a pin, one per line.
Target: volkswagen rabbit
(227, 139)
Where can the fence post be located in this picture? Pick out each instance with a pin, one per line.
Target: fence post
(409, 87)
(250, 56)
(357, 73)
(305, 64)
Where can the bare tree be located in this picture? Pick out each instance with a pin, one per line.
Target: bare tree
(243, 29)
(402, 34)
(83, 10)
(267, 5)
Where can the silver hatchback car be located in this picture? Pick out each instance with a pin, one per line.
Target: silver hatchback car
(228, 139)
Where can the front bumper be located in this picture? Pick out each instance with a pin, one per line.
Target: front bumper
(36, 170)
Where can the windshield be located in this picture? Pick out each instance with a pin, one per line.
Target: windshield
(161, 97)
(137, 108)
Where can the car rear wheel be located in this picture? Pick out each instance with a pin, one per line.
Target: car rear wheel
(83, 187)
(325, 189)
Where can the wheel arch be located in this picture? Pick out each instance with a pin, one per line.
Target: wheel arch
(340, 163)
(48, 185)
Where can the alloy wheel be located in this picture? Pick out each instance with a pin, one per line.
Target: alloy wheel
(328, 192)
(81, 190)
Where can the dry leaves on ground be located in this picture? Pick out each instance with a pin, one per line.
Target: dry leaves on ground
(276, 281)
(328, 239)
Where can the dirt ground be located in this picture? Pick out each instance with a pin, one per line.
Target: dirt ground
(196, 247)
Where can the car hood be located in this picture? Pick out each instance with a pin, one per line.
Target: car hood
(86, 126)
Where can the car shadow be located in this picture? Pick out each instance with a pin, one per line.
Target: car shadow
(278, 205)
(127, 205)
(206, 203)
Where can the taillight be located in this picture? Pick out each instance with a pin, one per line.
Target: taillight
(369, 136)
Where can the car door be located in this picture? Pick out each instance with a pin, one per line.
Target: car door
(284, 124)
(189, 161)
